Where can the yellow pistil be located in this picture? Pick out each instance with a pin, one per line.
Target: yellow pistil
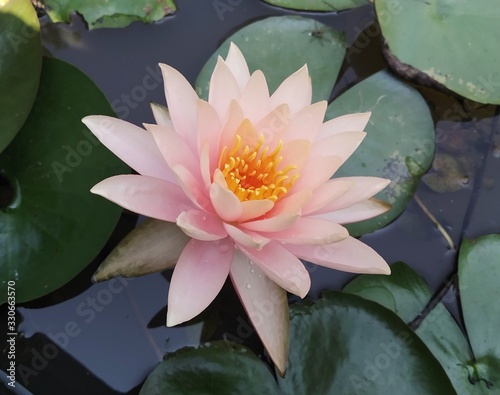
(251, 172)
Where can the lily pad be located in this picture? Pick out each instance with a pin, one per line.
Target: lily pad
(374, 351)
(318, 5)
(479, 279)
(218, 368)
(295, 41)
(20, 65)
(453, 42)
(399, 145)
(54, 226)
(111, 13)
(472, 372)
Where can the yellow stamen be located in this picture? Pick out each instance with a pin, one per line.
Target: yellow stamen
(251, 172)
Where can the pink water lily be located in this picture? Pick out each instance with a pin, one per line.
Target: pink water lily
(246, 176)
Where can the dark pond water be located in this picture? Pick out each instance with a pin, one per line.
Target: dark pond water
(106, 338)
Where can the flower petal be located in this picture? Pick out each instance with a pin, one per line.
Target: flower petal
(181, 101)
(209, 131)
(327, 193)
(307, 122)
(198, 277)
(345, 123)
(161, 115)
(254, 99)
(234, 118)
(238, 65)
(246, 238)
(281, 266)
(173, 148)
(133, 145)
(358, 212)
(342, 145)
(255, 208)
(310, 231)
(295, 153)
(144, 195)
(296, 91)
(201, 226)
(192, 187)
(223, 88)
(292, 202)
(267, 307)
(224, 201)
(349, 255)
(316, 172)
(362, 188)
(273, 224)
(151, 247)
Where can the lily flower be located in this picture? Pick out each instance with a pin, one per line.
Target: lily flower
(241, 187)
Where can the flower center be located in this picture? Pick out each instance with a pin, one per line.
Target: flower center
(252, 173)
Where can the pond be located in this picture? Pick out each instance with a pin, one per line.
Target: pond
(106, 338)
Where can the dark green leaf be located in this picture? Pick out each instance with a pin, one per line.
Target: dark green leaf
(20, 65)
(295, 41)
(217, 368)
(318, 5)
(400, 142)
(54, 226)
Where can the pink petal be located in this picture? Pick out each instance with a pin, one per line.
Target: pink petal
(310, 231)
(342, 145)
(254, 99)
(345, 123)
(161, 115)
(292, 202)
(296, 153)
(267, 307)
(327, 193)
(296, 91)
(274, 124)
(238, 65)
(234, 118)
(273, 224)
(282, 267)
(201, 225)
(359, 212)
(209, 130)
(192, 187)
(363, 188)
(307, 122)
(223, 88)
(198, 277)
(316, 172)
(255, 208)
(182, 104)
(144, 195)
(206, 174)
(174, 149)
(349, 255)
(246, 238)
(224, 201)
(133, 145)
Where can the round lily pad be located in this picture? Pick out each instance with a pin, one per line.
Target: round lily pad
(371, 351)
(20, 65)
(318, 5)
(321, 47)
(52, 226)
(399, 145)
(110, 13)
(220, 368)
(453, 42)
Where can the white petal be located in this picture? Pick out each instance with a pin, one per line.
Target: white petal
(296, 91)
(238, 65)
(345, 123)
(359, 212)
(201, 226)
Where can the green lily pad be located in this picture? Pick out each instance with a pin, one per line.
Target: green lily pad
(318, 5)
(218, 368)
(54, 226)
(472, 373)
(20, 65)
(453, 42)
(111, 13)
(479, 279)
(294, 43)
(372, 351)
(399, 146)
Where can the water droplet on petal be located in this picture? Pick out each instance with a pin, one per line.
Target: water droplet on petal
(252, 270)
(260, 276)
(251, 263)
(249, 286)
